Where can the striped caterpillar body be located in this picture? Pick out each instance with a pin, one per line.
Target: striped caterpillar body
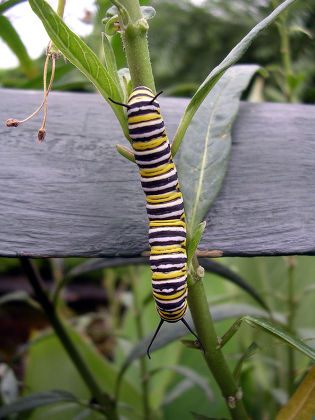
(164, 204)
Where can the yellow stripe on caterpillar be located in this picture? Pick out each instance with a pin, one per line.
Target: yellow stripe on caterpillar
(167, 249)
(163, 197)
(142, 118)
(170, 297)
(141, 145)
(171, 275)
(157, 171)
(159, 223)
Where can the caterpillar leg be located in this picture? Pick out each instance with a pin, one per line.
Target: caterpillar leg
(153, 338)
(186, 325)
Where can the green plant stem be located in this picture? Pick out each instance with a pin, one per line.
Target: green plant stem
(286, 57)
(291, 318)
(61, 7)
(285, 50)
(136, 289)
(213, 355)
(36, 282)
(134, 36)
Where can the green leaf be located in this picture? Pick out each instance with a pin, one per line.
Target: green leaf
(193, 376)
(81, 56)
(250, 351)
(301, 406)
(37, 400)
(13, 40)
(234, 55)
(228, 274)
(272, 329)
(126, 153)
(172, 332)
(61, 373)
(111, 25)
(206, 146)
(193, 242)
(125, 82)
(19, 295)
(295, 80)
(300, 29)
(110, 61)
(5, 5)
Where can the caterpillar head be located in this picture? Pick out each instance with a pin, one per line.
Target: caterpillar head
(142, 98)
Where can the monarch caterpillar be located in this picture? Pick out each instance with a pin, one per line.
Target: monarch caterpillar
(164, 204)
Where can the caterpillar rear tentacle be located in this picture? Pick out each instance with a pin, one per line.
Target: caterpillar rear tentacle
(165, 207)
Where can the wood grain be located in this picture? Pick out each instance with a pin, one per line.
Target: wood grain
(74, 195)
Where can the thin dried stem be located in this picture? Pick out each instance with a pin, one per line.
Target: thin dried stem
(12, 122)
(42, 132)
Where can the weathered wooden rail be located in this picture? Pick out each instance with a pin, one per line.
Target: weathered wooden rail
(74, 195)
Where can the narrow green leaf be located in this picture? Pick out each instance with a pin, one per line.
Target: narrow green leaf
(172, 332)
(110, 61)
(301, 406)
(194, 241)
(18, 295)
(125, 82)
(5, 5)
(250, 351)
(13, 40)
(234, 55)
(126, 153)
(228, 274)
(37, 400)
(110, 24)
(272, 329)
(206, 146)
(300, 29)
(81, 56)
(193, 376)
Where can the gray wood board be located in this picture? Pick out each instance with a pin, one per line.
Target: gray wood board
(74, 195)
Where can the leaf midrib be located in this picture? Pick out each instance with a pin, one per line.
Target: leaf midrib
(205, 154)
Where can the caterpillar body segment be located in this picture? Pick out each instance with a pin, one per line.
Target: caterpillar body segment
(164, 204)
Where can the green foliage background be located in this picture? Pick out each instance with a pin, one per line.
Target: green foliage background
(186, 41)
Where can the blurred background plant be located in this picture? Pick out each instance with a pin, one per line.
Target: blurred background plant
(194, 40)
(112, 308)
